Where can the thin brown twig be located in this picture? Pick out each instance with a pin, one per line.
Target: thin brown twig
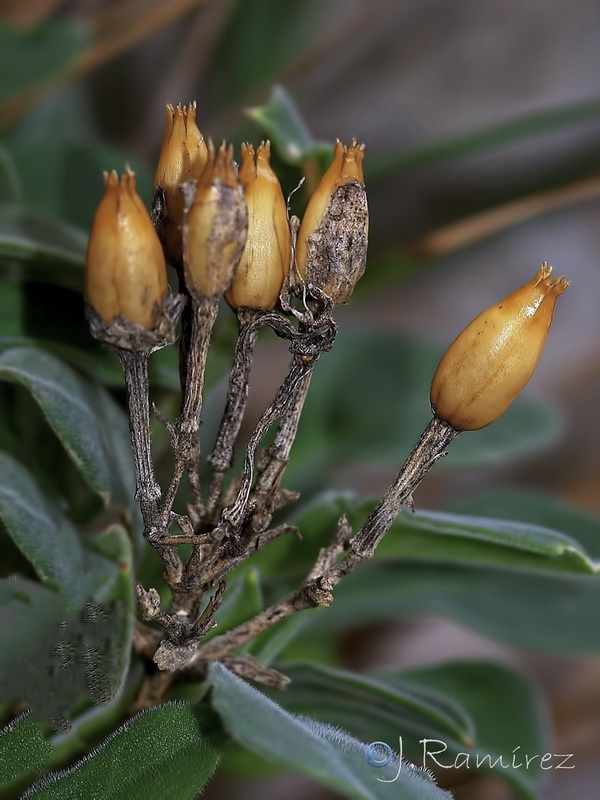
(466, 232)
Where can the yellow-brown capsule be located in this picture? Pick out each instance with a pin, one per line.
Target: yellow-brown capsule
(490, 362)
(266, 258)
(215, 225)
(125, 271)
(183, 156)
(331, 251)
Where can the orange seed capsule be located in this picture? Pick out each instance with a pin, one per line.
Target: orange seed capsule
(214, 230)
(183, 156)
(125, 267)
(490, 362)
(331, 250)
(266, 258)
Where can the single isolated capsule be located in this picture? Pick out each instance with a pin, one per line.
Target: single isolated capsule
(215, 225)
(183, 156)
(490, 362)
(125, 272)
(266, 258)
(331, 251)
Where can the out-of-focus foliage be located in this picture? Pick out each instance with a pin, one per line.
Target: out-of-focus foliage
(514, 566)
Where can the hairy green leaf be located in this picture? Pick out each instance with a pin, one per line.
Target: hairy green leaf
(169, 751)
(23, 748)
(373, 708)
(321, 751)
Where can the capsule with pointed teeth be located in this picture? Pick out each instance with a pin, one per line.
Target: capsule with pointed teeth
(125, 271)
(490, 362)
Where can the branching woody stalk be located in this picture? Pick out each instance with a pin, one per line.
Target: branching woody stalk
(479, 376)
(274, 460)
(221, 458)
(186, 445)
(308, 348)
(230, 234)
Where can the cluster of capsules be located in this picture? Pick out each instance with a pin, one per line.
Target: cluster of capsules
(227, 232)
(226, 229)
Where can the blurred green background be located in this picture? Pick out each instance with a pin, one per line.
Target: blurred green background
(481, 122)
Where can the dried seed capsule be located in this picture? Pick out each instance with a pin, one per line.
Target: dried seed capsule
(490, 362)
(214, 229)
(125, 271)
(266, 258)
(183, 156)
(331, 251)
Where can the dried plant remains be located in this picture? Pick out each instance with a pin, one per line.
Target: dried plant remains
(309, 267)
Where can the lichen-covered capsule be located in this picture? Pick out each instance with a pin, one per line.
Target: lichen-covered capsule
(125, 271)
(215, 226)
(266, 258)
(331, 251)
(490, 362)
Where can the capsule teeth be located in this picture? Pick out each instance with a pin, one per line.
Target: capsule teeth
(559, 285)
(111, 178)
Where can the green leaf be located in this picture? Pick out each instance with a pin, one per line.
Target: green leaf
(43, 248)
(428, 536)
(169, 751)
(31, 56)
(326, 754)
(281, 121)
(90, 425)
(45, 658)
(23, 748)
(383, 412)
(437, 536)
(110, 618)
(55, 650)
(46, 538)
(507, 714)
(537, 508)
(523, 584)
(91, 723)
(540, 123)
(373, 708)
(51, 318)
(538, 610)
